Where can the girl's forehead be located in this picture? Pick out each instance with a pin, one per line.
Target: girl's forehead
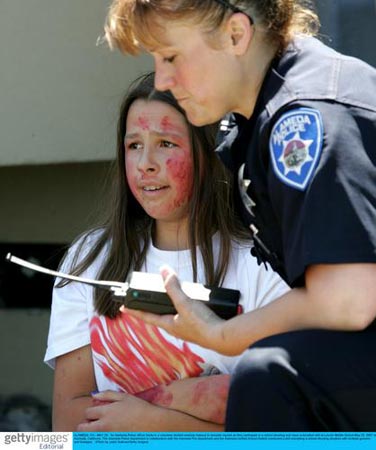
(155, 108)
(157, 112)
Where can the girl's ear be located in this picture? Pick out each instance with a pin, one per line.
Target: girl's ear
(240, 31)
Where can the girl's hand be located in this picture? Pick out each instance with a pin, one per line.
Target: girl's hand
(115, 411)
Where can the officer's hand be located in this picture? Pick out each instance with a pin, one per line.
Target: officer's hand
(194, 321)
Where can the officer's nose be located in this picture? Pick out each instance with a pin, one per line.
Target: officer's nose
(164, 76)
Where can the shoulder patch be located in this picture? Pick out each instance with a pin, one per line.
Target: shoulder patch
(295, 146)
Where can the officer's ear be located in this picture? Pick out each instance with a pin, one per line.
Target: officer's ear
(240, 30)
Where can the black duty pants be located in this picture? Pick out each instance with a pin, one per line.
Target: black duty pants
(306, 381)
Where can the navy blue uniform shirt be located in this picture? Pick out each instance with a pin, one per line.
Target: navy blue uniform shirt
(306, 161)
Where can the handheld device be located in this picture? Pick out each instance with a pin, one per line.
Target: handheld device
(146, 292)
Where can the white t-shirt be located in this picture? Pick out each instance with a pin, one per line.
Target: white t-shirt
(132, 356)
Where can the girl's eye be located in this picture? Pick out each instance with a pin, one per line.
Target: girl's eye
(133, 146)
(168, 144)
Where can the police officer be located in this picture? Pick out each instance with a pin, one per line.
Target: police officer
(301, 145)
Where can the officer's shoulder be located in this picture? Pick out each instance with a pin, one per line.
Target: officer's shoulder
(295, 143)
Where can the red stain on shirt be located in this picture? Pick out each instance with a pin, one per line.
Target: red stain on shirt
(136, 356)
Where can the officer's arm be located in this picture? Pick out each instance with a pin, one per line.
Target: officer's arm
(344, 294)
(336, 296)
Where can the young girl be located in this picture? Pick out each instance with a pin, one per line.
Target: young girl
(171, 202)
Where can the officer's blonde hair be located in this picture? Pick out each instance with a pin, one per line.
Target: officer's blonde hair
(132, 25)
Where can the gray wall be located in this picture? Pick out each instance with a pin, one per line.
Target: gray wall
(59, 91)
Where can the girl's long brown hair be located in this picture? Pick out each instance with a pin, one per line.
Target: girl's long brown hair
(127, 231)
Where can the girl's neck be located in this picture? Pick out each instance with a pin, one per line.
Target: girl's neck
(171, 236)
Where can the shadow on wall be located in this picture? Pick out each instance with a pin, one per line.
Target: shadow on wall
(23, 412)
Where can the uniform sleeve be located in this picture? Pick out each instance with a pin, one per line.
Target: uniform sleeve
(330, 218)
(70, 314)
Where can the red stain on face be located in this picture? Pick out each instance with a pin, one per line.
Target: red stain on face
(169, 125)
(165, 123)
(143, 123)
(181, 172)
